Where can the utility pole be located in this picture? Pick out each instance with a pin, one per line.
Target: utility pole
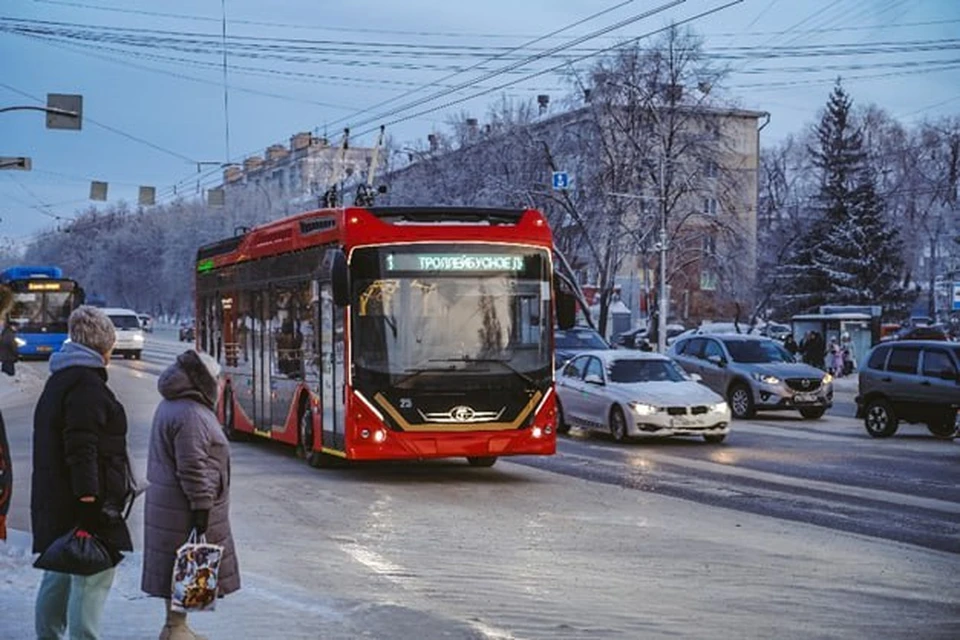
(663, 306)
(664, 303)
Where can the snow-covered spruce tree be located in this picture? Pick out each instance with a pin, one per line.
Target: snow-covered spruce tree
(850, 255)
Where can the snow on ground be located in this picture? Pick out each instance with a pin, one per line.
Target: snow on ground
(27, 382)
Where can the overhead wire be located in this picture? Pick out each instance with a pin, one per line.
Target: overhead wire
(457, 101)
(579, 40)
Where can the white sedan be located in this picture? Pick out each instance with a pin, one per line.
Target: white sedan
(630, 394)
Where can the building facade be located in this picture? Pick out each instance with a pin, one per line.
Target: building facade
(294, 177)
(607, 220)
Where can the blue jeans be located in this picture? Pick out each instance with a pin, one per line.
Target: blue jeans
(75, 602)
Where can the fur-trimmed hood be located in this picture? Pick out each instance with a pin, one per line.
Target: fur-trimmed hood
(194, 376)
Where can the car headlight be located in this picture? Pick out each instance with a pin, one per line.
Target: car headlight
(827, 378)
(767, 379)
(20, 342)
(137, 338)
(720, 406)
(643, 409)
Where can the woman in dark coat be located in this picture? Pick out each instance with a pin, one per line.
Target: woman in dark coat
(81, 472)
(188, 468)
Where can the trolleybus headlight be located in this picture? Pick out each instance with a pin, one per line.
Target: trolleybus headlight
(379, 435)
(364, 433)
(537, 432)
(548, 430)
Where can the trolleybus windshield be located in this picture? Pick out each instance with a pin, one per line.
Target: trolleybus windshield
(425, 314)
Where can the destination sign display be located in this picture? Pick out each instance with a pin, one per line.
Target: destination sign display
(43, 286)
(468, 262)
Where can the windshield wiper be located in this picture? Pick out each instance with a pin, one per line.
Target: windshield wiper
(413, 372)
(503, 363)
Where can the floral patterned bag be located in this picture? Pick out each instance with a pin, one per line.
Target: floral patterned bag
(195, 575)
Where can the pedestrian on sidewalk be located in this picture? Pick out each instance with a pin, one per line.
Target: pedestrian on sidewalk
(790, 344)
(6, 479)
(6, 462)
(81, 473)
(188, 467)
(9, 352)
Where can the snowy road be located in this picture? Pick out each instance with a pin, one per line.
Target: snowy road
(791, 529)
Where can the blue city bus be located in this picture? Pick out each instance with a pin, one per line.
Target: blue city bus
(42, 302)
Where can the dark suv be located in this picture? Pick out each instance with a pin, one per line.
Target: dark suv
(913, 381)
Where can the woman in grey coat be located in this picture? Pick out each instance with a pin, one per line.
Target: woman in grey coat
(189, 472)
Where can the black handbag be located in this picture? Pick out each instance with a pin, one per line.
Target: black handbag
(78, 553)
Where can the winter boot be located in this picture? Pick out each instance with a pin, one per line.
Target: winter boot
(175, 627)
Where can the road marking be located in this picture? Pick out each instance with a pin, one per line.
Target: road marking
(879, 495)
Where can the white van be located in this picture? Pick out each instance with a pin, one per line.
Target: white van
(129, 332)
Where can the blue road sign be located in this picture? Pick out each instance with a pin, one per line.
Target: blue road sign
(561, 180)
(956, 296)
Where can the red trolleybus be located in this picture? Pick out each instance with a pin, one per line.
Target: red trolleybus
(387, 333)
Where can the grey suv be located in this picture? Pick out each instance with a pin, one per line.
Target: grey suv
(913, 381)
(753, 373)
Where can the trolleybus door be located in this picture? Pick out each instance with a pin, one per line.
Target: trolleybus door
(331, 374)
(261, 362)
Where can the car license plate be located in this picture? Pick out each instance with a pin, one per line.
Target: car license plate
(683, 422)
(44, 349)
(805, 397)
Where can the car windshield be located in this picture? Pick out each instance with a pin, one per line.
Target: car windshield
(757, 351)
(125, 322)
(628, 370)
(580, 339)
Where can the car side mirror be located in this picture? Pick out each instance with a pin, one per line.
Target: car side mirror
(720, 361)
(592, 378)
(566, 305)
(696, 377)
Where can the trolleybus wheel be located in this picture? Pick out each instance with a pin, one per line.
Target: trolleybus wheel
(316, 459)
(563, 427)
(482, 461)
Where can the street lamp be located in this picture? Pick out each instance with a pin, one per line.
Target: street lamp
(63, 111)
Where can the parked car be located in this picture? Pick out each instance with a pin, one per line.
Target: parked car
(569, 342)
(776, 331)
(129, 332)
(641, 339)
(926, 332)
(755, 373)
(187, 332)
(910, 381)
(631, 394)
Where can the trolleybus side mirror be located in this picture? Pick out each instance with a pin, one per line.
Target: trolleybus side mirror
(566, 309)
(340, 279)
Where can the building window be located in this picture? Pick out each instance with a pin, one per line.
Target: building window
(708, 280)
(709, 246)
(711, 169)
(710, 206)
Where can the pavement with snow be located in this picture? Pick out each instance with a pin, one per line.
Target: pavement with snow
(441, 550)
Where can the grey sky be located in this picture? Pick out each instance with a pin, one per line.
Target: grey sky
(178, 106)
